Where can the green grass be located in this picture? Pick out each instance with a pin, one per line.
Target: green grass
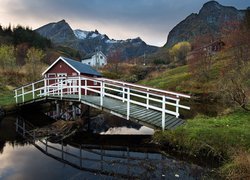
(6, 97)
(226, 137)
(218, 135)
(169, 79)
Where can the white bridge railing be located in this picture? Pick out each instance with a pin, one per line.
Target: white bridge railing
(165, 102)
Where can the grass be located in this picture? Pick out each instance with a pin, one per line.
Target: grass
(221, 136)
(170, 79)
(6, 96)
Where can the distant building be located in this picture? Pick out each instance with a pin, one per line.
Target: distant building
(209, 49)
(96, 59)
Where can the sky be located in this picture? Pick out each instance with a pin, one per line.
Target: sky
(151, 20)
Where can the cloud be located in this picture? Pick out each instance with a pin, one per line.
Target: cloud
(119, 19)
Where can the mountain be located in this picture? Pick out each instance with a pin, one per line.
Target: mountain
(61, 34)
(210, 20)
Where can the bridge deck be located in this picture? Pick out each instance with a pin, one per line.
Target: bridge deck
(138, 114)
(148, 106)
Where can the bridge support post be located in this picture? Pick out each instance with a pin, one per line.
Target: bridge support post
(73, 112)
(57, 109)
(163, 113)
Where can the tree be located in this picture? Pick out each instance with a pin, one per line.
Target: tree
(233, 82)
(179, 52)
(34, 65)
(7, 57)
(114, 60)
(200, 65)
(200, 59)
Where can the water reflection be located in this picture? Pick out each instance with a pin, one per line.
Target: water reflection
(110, 161)
(21, 158)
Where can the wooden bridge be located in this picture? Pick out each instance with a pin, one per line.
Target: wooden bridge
(148, 106)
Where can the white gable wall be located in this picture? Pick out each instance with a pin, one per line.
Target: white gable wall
(97, 60)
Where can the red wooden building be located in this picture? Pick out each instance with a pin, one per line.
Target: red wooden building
(64, 67)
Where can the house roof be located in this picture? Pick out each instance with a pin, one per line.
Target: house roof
(77, 66)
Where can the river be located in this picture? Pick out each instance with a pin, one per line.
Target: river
(87, 156)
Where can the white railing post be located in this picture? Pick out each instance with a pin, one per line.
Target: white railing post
(16, 96)
(177, 107)
(147, 99)
(79, 88)
(85, 84)
(23, 93)
(33, 90)
(128, 103)
(61, 84)
(101, 93)
(123, 93)
(103, 87)
(163, 112)
(45, 87)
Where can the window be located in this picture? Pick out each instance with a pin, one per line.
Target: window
(88, 63)
(61, 77)
(101, 57)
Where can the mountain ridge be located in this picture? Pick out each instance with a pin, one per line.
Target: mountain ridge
(209, 20)
(61, 34)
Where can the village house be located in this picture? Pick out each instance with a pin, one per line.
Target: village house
(65, 67)
(96, 59)
(209, 49)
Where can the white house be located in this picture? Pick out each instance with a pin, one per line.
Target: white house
(96, 59)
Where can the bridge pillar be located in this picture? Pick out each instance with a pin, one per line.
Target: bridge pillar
(57, 109)
(85, 114)
(73, 112)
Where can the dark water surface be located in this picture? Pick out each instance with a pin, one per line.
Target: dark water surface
(43, 159)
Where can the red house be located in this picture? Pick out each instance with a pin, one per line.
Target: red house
(65, 67)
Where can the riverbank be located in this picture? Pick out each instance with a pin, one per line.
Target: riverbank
(225, 137)
(7, 100)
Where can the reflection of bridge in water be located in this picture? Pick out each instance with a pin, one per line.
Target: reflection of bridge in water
(116, 161)
(110, 161)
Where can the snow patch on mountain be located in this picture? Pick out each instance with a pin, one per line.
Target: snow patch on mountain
(80, 34)
(111, 41)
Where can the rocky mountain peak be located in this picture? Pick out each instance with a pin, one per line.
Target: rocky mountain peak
(61, 34)
(58, 31)
(210, 20)
(211, 5)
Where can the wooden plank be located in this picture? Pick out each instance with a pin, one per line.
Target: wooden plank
(145, 115)
(174, 120)
(119, 108)
(178, 124)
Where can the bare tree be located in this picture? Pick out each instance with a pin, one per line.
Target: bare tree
(114, 60)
